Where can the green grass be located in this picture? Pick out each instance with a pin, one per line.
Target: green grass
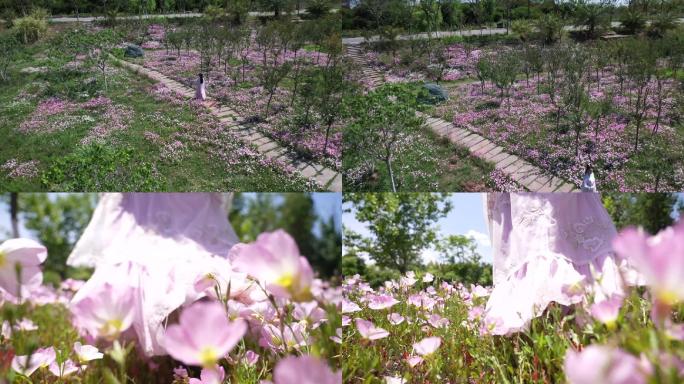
(427, 163)
(197, 170)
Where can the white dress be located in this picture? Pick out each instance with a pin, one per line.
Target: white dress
(158, 243)
(200, 90)
(546, 245)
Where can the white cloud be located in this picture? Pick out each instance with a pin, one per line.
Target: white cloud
(481, 238)
(430, 255)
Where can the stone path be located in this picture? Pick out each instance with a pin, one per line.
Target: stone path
(524, 173)
(327, 178)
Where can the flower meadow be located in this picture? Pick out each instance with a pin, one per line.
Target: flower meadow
(260, 76)
(613, 105)
(418, 329)
(261, 318)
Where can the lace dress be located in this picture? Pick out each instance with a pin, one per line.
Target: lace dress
(546, 246)
(158, 243)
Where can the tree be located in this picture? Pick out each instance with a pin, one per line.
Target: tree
(652, 211)
(550, 28)
(591, 15)
(384, 118)
(57, 222)
(402, 225)
(458, 249)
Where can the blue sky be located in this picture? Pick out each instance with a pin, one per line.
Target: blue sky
(466, 218)
(326, 204)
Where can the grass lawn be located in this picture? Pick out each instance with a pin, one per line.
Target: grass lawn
(64, 131)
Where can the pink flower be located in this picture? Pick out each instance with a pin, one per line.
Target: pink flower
(603, 364)
(250, 358)
(381, 301)
(309, 312)
(428, 277)
(395, 318)
(338, 336)
(475, 313)
(427, 346)
(305, 370)
(203, 335)
(211, 375)
(438, 321)
(6, 331)
(607, 311)
(27, 255)
(63, 370)
(41, 358)
(86, 352)
(293, 336)
(107, 312)
(369, 331)
(274, 259)
(414, 360)
(26, 325)
(659, 258)
(349, 306)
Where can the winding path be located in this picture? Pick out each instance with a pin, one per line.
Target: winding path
(327, 178)
(523, 172)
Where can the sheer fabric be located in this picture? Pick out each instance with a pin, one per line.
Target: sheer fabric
(160, 244)
(547, 247)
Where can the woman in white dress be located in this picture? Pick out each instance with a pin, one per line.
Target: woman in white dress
(549, 247)
(200, 88)
(157, 243)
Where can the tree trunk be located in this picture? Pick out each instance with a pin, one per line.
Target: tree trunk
(14, 213)
(388, 161)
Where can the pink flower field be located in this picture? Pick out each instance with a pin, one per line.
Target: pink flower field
(418, 329)
(237, 81)
(258, 317)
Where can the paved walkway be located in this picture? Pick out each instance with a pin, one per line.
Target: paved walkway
(327, 178)
(524, 173)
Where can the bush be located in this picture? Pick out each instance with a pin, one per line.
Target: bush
(29, 29)
(318, 8)
(99, 167)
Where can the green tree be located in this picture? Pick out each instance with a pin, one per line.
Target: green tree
(458, 249)
(652, 211)
(402, 225)
(57, 222)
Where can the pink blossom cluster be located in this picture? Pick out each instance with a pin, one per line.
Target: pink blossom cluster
(527, 118)
(115, 118)
(16, 169)
(264, 293)
(252, 101)
(421, 299)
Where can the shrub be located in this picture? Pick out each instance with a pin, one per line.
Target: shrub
(318, 8)
(29, 29)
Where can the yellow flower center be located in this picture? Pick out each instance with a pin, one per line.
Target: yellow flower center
(111, 328)
(208, 356)
(3, 259)
(286, 281)
(668, 298)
